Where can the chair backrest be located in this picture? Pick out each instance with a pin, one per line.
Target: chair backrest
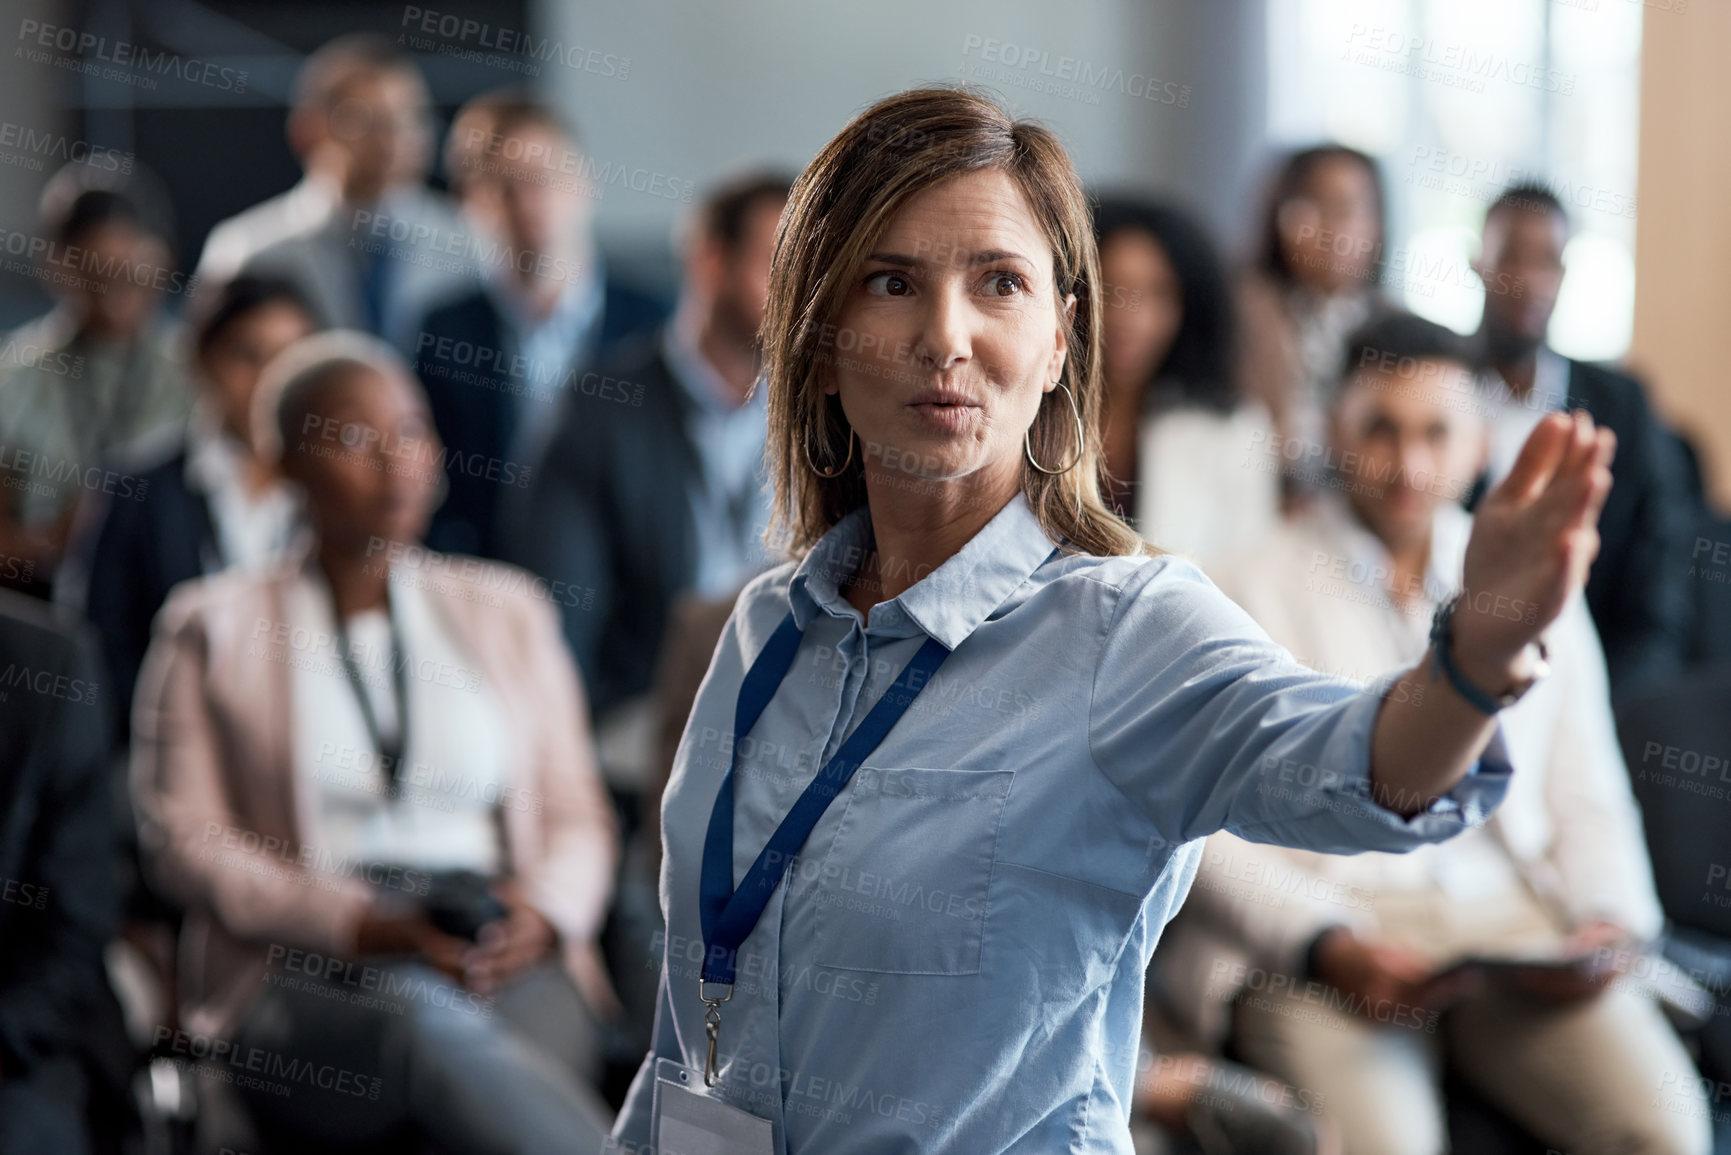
(1677, 742)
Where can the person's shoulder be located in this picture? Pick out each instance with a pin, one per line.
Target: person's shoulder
(1607, 392)
(478, 585)
(635, 357)
(768, 592)
(630, 386)
(1131, 575)
(223, 602)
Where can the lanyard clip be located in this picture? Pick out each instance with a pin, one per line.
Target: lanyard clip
(712, 1024)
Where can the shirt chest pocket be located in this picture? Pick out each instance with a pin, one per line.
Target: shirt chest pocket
(903, 889)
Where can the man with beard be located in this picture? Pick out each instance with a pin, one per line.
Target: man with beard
(1638, 588)
(650, 484)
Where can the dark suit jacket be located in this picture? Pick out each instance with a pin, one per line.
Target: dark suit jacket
(144, 549)
(460, 355)
(608, 517)
(57, 900)
(1638, 590)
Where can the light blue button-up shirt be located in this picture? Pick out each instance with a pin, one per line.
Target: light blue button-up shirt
(954, 961)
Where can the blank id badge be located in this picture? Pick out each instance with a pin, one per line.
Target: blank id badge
(685, 1121)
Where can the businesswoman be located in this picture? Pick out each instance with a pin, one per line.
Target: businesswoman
(945, 780)
(365, 772)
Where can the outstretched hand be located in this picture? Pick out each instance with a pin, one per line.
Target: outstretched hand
(1534, 537)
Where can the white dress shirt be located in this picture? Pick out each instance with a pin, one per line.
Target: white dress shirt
(954, 962)
(459, 751)
(252, 529)
(1207, 484)
(1569, 828)
(1512, 417)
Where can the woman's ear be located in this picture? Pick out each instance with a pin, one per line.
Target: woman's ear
(1061, 345)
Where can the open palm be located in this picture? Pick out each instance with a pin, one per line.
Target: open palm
(1534, 537)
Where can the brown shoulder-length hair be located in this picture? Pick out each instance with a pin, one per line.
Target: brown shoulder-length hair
(837, 211)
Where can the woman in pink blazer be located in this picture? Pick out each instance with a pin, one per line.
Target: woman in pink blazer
(367, 773)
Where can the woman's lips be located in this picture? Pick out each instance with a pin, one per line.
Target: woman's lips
(950, 417)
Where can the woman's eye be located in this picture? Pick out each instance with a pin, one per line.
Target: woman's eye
(889, 284)
(1006, 284)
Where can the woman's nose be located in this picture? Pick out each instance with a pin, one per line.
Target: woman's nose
(944, 337)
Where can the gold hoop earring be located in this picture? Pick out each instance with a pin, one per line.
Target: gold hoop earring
(1028, 444)
(840, 469)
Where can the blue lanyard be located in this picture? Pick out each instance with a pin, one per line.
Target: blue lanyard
(729, 915)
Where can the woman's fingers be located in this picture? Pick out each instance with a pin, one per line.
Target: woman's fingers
(1538, 460)
(1577, 494)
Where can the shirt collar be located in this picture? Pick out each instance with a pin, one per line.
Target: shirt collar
(696, 377)
(213, 458)
(579, 303)
(946, 604)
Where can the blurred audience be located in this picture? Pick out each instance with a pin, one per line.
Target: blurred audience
(495, 360)
(57, 903)
(1365, 943)
(99, 372)
(1315, 279)
(212, 503)
(651, 483)
(367, 775)
(1639, 589)
(361, 236)
(1177, 423)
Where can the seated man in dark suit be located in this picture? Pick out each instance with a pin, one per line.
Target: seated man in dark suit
(208, 504)
(1638, 591)
(493, 360)
(56, 878)
(651, 484)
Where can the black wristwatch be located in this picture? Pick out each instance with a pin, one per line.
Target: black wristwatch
(1442, 647)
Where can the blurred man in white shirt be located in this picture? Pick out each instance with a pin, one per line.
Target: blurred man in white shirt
(1334, 961)
(361, 235)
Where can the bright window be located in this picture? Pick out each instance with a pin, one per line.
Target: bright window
(1459, 99)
